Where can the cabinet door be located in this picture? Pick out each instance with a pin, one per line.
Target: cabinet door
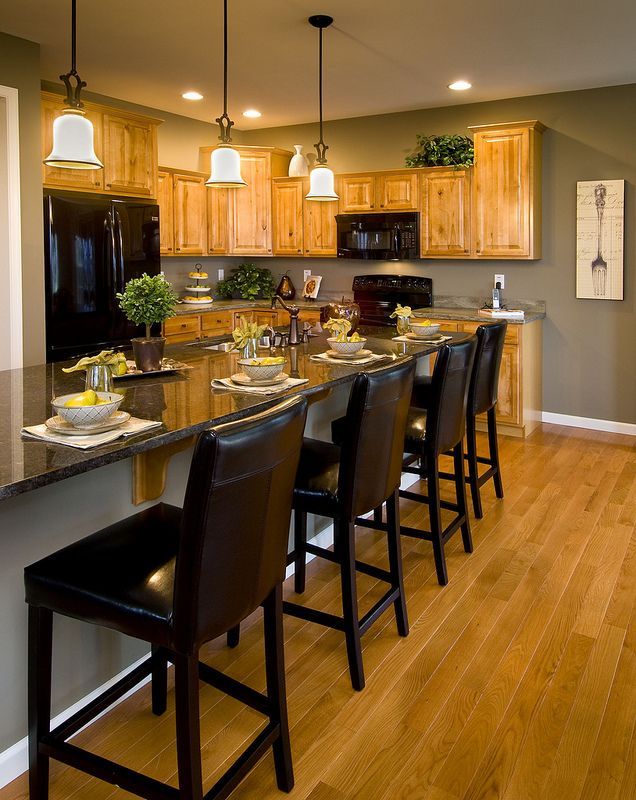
(190, 235)
(287, 207)
(130, 156)
(445, 217)
(217, 202)
(319, 221)
(183, 328)
(250, 214)
(215, 323)
(357, 193)
(166, 210)
(247, 314)
(508, 403)
(502, 194)
(84, 180)
(398, 191)
(264, 317)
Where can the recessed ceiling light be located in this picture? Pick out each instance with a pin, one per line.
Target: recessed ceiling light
(192, 96)
(252, 113)
(459, 86)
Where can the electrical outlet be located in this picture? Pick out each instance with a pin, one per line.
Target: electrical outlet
(306, 274)
(500, 279)
(220, 274)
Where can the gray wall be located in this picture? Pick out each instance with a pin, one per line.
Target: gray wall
(20, 68)
(590, 345)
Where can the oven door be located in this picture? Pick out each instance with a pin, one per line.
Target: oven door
(376, 312)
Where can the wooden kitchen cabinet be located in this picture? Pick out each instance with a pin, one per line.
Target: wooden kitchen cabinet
(287, 204)
(356, 192)
(446, 209)
(190, 220)
(165, 200)
(320, 236)
(130, 155)
(216, 323)
(397, 191)
(507, 190)
(125, 143)
(217, 220)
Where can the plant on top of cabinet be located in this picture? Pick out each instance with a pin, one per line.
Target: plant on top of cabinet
(447, 150)
(247, 281)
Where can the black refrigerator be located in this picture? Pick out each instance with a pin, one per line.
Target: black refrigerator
(93, 246)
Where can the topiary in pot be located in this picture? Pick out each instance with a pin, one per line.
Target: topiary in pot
(248, 282)
(448, 150)
(148, 300)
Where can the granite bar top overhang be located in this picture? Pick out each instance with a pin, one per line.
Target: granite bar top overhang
(185, 402)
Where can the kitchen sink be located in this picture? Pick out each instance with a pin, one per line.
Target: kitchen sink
(223, 347)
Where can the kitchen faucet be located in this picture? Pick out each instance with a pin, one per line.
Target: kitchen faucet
(293, 312)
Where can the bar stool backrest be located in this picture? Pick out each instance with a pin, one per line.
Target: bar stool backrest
(372, 446)
(446, 414)
(484, 381)
(235, 523)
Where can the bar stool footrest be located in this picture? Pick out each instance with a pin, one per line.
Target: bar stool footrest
(378, 609)
(312, 615)
(236, 689)
(422, 498)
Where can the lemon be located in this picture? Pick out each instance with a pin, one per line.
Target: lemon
(87, 398)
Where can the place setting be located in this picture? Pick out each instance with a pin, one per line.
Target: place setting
(346, 348)
(416, 330)
(260, 375)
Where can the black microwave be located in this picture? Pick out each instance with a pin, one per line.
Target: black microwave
(381, 237)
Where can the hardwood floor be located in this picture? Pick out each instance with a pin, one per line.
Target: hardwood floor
(517, 681)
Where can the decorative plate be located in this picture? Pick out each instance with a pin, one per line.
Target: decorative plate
(197, 302)
(167, 365)
(243, 380)
(59, 425)
(349, 356)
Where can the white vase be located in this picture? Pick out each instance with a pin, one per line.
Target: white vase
(298, 167)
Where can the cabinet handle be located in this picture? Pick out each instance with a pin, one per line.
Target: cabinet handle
(184, 324)
(177, 248)
(299, 250)
(168, 249)
(371, 206)
(98, 183)
(109, 185)
(381, 205)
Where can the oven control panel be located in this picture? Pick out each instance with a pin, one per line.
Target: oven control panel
(396, 283)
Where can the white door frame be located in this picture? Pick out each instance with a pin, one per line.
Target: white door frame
(10, 96)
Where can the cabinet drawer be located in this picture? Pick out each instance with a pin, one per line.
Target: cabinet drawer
(181, 325)
(512, 333)
(216, 320)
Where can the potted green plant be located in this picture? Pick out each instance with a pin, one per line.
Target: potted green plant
(447, 150)
(247, 282)
(148, 300)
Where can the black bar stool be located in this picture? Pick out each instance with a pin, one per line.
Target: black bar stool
(344, 482)
(177, 579)
(482, 399)
(433, 431)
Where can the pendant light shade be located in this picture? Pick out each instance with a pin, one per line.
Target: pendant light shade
(73, 134)
(321, 179)
(73, 142)
(225, 162)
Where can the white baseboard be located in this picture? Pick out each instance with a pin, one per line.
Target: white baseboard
(590, 423)
(15, 760)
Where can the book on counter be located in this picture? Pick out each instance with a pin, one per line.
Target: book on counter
(502, 313)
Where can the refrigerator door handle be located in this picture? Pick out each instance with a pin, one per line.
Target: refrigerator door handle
(119, 260)
(112, 255)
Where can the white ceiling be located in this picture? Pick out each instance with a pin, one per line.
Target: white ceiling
(380, 56)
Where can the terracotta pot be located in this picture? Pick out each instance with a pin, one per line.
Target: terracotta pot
(148, 352)
(346, 309)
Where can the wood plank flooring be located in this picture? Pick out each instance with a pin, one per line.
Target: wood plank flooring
(517, 681)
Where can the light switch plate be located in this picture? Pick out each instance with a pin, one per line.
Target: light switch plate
(306, 274)
(500, 279)
(220, 273)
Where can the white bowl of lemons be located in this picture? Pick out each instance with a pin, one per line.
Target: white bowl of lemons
(262, 369)
(347, 347)
(87, 409)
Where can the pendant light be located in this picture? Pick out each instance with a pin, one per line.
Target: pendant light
(73, 146)
(225, 161)
(321, 182)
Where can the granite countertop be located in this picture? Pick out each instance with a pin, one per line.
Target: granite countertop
(472, 314)
(232, 305)
(183, 401)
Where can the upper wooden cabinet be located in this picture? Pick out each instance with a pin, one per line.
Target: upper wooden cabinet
(165, 199)
(302, 227)
(381, 191)
(507, 190)
(217, 205)
(126, 143)
(446, 208)
(190, 221)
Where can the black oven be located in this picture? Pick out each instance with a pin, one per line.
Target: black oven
(384, 237)
(377, 296)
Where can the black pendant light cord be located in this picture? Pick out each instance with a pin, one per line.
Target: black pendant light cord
(320, 21)
(73, 92)
(225, 123)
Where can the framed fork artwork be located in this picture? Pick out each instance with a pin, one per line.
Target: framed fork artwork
(600, 209)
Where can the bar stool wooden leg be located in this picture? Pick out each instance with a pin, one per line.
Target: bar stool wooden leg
(494, 451)
(432, 480)
(39, 677)
(300, 542)
(377, 514)
(395, 561)
(275, 672)
(159, 680)
(345, 539)
(234, 635)
(186, 675)
(460, 490)
(473, 474)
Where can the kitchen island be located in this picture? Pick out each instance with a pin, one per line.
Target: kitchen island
(53, 495)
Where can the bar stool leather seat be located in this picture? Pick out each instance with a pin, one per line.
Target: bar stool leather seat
(317, 477)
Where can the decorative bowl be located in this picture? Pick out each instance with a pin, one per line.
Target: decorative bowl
(87, 416)
(346, 346)
(424, 330)
(261, 369)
